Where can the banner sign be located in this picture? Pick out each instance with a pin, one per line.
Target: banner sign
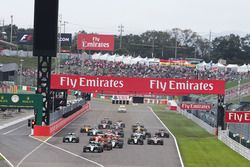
(190, 106)
(95, 42)
(65, 39)
(25, 38)
(20, 100)
(238, 117)
(120, 85)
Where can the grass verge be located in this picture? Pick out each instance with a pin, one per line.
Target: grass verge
(198, 148)
(231, 84)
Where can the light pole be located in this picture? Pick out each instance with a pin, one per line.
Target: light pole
(64, 26)
(21, 70)
(175, 50)
(59, 44)
(11, 28)
(153, 44)
(239, 88)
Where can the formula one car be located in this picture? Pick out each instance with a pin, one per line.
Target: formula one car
(137, 126)
(155, 141)
(135, 140)
(122, 109)
(107, 121)
(116, 127)
(142, 132)
(162, 133)
(106, 144)
(118, 132)
(71, 138)
(94, 132)
(93, 147)
(117, 143)
(120, 123)
(85, 129)
(104, 125)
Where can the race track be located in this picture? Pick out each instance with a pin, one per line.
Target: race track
(58, 154)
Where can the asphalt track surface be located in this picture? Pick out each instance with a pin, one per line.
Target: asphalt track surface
(21, 150)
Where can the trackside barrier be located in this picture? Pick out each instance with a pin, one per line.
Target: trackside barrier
(58, 125)
(155, 101)
(223, 136)
(201, 123)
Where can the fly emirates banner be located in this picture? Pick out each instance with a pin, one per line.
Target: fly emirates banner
(109, 84)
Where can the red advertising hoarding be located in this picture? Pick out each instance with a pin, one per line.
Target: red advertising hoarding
(122, 85)
(238, 117)
(95, 42)
(190, 106)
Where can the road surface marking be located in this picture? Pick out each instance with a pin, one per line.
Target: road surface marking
(15, 122)
(71, 153)
(26, 156)
(171, 135)
(6, 160)
(14, 129)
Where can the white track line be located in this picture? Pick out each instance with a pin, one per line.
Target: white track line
(59, 148)
(171, 134)
(6, 160)
(45, 142)
(14, 129)
(15, 122)
(26, 156)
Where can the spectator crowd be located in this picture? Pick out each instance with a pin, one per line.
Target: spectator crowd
(109, 68)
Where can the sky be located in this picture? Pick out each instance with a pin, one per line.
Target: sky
(138, 16)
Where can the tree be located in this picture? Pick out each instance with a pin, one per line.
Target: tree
(228, 48)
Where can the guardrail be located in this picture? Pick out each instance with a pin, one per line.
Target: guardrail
(59, 124)
(65, 109)
(223, 136)
(201, 123)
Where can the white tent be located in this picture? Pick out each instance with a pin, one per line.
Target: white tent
(119, 58)
(96, 56)
(136, 60)
(127, 60)
(232, 67)
(201, 66)
(104, 57)
(220, 66)
(243, 68)
(144, 61)
(111, 58)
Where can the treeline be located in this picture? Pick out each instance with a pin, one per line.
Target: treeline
(170, 44)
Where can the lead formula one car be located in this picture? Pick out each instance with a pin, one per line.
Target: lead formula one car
(93, 147)
(71, 138)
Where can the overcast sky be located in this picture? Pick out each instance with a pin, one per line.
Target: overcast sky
(137, 16)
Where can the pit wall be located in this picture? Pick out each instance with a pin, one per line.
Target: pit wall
(58, 125)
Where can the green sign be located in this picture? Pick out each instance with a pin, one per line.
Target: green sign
(23, 101)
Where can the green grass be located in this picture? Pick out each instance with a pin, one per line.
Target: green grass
(29, 62)
(231, 84)
(246, 98)
(198, 148)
